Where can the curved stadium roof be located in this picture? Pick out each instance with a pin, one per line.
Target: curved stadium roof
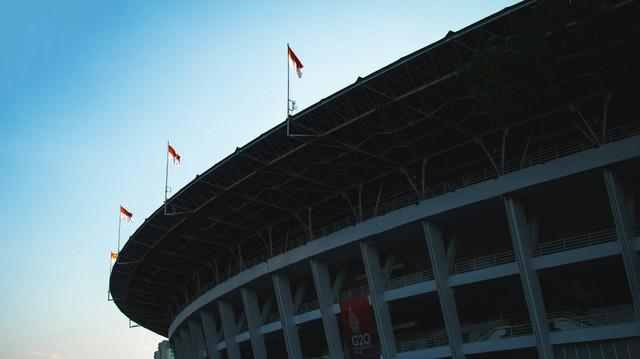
(402, 134)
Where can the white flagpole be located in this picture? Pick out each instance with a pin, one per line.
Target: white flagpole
(119, 225)
(110, 269)
(288, 96)
(166, 181)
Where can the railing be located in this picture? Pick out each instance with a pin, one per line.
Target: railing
(482, 262)
(273, 317)
(351, 293)
(485, 332)
(579, 241)
(307, 307)
(424, 343)
(409, 279)
(585, 320)
(506, 330)
(409, 197)
(325, 355)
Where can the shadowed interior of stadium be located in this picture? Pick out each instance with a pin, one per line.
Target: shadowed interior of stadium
(474, 199)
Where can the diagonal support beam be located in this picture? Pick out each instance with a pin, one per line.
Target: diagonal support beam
(322, 282)
(624, 212)
(524, 255)
(435, 244)
(371, 260)
(211, 335)
(285, 304)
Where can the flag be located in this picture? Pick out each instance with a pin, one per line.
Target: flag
(126, 215)
(174, 157)
(114, 256)
(295, 64)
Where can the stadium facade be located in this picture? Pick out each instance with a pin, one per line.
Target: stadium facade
(410, 222)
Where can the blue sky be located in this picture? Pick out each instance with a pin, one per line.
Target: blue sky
(90, 92)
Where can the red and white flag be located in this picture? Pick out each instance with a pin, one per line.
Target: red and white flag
(126, 215)
(295, 63)
(114, 256)
(174, 157)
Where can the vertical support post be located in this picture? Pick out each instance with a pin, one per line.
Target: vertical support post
(360, 203)
(211, 336)
(197, 337)
(440, 264)
(310, 228)
(119, 226)
(254, 319)
(187, 343)
(523, 248)
(176, 344)
(372, 267)
(285, 305)
(322, 281)
(288, 88)
(166, 181)
(624, 209)
(229, 328)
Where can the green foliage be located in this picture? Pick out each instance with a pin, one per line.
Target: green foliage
(511, 74)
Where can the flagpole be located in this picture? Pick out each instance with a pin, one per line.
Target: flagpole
(108, 288)
(119, 225)
(166, 181)
(288, 115)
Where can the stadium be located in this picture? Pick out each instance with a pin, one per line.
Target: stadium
(432, 209)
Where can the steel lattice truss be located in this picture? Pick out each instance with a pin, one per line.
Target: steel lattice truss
(407, 127)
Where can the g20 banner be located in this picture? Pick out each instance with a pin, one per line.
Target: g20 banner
(360, 329)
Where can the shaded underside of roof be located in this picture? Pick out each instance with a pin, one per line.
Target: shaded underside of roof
(405, 129)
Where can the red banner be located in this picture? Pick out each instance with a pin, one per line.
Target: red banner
(360, 329)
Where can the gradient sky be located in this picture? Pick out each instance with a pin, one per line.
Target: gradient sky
(90, 92)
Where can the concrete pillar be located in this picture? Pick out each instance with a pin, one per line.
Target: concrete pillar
(322, 281)
(440, 265)
(176, 345)
(373, 269)
(229, 328)
(211, 335)
(523, 247)
(187, 343)
(197, 337)
(254, 320)
(285, 305)
(624, 214)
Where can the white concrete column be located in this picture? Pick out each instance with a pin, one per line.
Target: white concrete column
(322, 281)
(440, 265)
(373, 269)
(229, 328)
(523, 248)
(285, 305)
(187, 343)
(624, 214)
(254, 319)
(211, 335)
(197, 337)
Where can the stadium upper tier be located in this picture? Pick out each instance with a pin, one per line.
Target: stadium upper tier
(409, 132)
